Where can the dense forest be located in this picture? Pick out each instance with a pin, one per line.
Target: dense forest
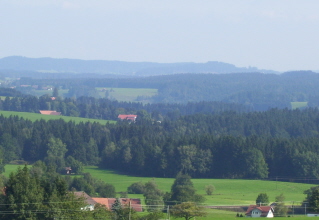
(256, 91)
(102, 108)
(274, 143)
(205, 125)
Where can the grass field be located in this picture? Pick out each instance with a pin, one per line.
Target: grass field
(228, 191)
(127, 94)
(36, 92)
(37, 116)
(9, 168)
(295, 105)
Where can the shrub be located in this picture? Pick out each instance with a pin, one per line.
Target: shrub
(136, 188)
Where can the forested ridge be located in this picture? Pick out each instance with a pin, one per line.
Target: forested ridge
(257, 91)
(204, 125)
(273, 143)
(102, 108)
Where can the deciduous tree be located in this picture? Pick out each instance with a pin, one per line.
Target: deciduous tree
(262, 199)
(187, 210)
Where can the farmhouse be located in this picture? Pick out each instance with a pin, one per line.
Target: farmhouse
(108, 202)
(46, 112)
(127, 117)
(125, 202)
(88, 200)
(260, 211)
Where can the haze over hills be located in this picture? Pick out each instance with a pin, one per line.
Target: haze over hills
(19, 63)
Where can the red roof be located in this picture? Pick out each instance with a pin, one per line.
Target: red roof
(127, 117)
(46, 112)
(86, 197)
(102, 201)
(125, 202)
(135, 204)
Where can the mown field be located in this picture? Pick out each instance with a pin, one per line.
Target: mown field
(36, 92)
(229, 192)
(120, 94)
(37, 116)
(127, 94)
(295, 105)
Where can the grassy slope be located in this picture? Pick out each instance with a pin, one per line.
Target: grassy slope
(120, 94)
(38, 116)
(36, 92)
(228, 191)
(295, 105)
(128, 94)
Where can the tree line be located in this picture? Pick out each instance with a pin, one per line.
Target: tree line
(103, 108)
(257, 91)
(274, 143)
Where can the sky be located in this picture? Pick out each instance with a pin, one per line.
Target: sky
(281, 35)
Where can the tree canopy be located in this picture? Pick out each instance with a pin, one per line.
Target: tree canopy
(187, 210)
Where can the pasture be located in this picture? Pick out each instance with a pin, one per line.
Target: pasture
(127, 94)
(295, 105)
(228, 191)
(234, 192)
(37, 116)
(41, 92)
(9, 168)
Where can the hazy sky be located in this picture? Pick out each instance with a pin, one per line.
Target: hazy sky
(271, 34)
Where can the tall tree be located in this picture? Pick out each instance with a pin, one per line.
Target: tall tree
(55, 154)
(187, 210)
(183, 190)
(262, 199)
(313, 198)
(256, 164)
(153, 196)
(280, 209)
(24, 195)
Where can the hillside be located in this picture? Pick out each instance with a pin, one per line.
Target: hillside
(52, 65)
(36, 116)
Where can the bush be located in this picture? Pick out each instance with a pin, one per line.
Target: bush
(209, 189)
(136, 188)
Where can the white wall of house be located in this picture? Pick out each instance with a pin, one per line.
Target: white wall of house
(270, 214)
(255, 213)
(88, 208)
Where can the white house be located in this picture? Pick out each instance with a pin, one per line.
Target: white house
(90, 203)
(260, 211)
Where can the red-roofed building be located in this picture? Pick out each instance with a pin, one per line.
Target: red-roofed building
(88, 200)
(46, 112)
(125, 202)
(134, 203)
(128, 117)
(260, 211)
(103, 201)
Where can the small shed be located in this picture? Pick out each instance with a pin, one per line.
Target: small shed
(68, 170)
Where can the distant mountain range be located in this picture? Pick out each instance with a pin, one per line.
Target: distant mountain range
(52, 65)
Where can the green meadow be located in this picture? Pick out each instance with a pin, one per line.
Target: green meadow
(36, 92)
(37, 116)
(229, 192)
(9, 168)
(127, 94)
(295, 105)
